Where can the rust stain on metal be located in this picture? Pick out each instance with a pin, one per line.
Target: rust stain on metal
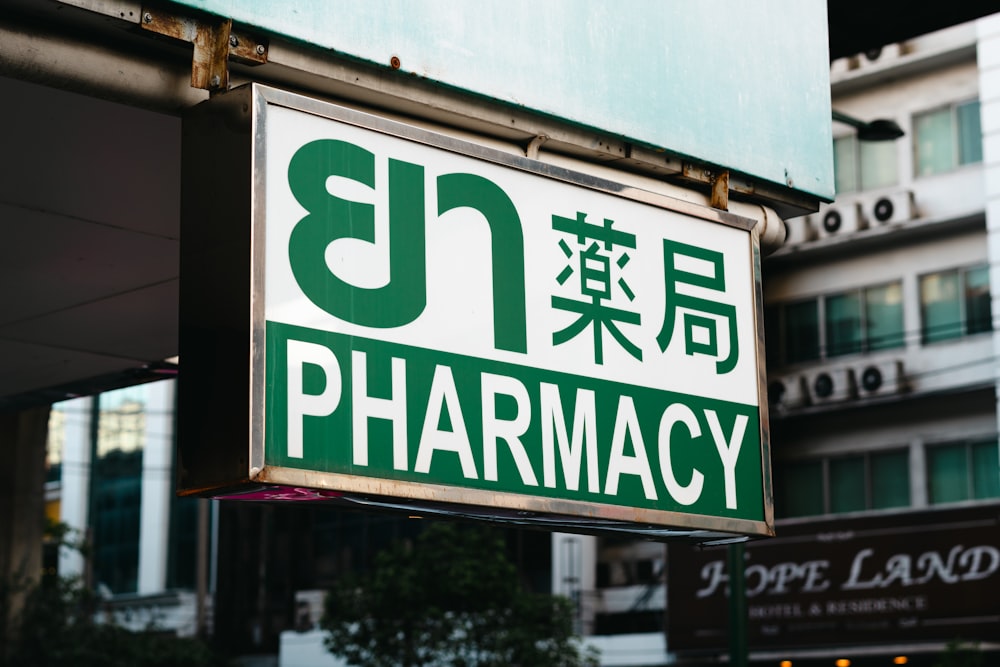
(697, 173)
(248, 49)
(169, 25)
(210, 65)
(214, 43)
(720, 191)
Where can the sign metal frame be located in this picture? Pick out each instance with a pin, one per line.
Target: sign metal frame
(220, 196)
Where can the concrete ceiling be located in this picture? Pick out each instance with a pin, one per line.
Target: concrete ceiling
(89, 213)
(856, 26)
(89, 208)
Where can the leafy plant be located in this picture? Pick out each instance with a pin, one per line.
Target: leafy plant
(960, 654)
(55, 627)
(452, 600)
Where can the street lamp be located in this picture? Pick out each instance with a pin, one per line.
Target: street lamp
(880, 129)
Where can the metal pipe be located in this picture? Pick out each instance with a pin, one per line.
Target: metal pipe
(880, 129)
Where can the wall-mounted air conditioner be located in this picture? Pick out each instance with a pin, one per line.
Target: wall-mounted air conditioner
(878, 57)
(883, 378)
(839, 219)
(842, 66)
(889, 208)
(831, 385)
(785, 393)
(799, 230)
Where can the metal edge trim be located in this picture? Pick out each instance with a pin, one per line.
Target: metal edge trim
(375, 123)
(421, 491)
(258, 227)
(762, 404)
(261, 96)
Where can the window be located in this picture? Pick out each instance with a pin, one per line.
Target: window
(884, 316)
(55, 443)
(843, 323)
(856, 483)
(955, 303)
(963, 471)
(863, 165)
(947, 138)
(800, 488)
(862, 320)
(117, 483)
(801, 331)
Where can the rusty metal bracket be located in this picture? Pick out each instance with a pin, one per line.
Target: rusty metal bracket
(717, 182)
(214, 41)
(720, 190)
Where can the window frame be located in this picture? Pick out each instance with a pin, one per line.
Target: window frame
(826, 463)
(956, 162)
(779, 315)
(963, 322)
(967, 447)
(858, 181)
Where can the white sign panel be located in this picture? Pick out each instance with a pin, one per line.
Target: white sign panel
(439, 321)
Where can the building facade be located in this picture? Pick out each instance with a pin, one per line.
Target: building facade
(880, 307)
(881, 313)
(129, 537)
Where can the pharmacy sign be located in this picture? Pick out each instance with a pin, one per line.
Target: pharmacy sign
(439, 322)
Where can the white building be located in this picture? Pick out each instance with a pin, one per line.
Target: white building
(882, 367)
(880, 307)
(111, 459)
(881, 313)
(881, 316)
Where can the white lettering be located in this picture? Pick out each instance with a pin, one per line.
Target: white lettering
(729, 451)
(301, 404)
(366, 407)
(627, 423)
(973, 559)
(678, 412)
(961, 564)
(896, 568)
(715, 575)
(816, 581)
(571, 451)
(853, 581)
(781, 574)
(508, 430)
(763, 576)
(443, 395)
(931, 560)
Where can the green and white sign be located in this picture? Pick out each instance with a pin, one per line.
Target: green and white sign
(445, 322)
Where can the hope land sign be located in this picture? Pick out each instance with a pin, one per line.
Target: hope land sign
(379, 314)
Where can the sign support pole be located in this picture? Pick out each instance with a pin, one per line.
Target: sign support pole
(737, 608)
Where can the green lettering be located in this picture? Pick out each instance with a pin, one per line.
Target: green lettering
(404, 297)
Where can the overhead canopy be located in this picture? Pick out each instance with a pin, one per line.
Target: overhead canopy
(857, 26)
(89, 189)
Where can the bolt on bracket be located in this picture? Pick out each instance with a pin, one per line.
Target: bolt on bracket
(720, 190)
(214, 41)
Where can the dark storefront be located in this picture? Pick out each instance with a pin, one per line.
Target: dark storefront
(872, 590)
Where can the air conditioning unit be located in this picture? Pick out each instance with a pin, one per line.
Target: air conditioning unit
(889, 208)
(841, 66)
(831, 385)
(839, 219)
(883, 378)
(787, 393)
(878, 56)
(799, 230)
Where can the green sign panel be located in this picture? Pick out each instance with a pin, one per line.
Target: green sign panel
(434, 322)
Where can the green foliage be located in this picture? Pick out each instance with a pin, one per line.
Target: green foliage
(55, 627)
(959, 654)
(452, 600)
